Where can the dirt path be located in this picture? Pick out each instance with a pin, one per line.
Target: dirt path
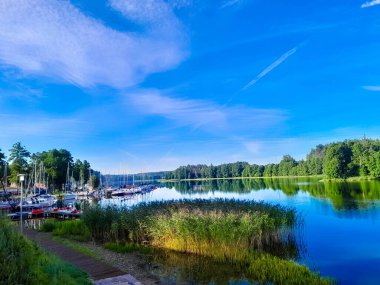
(134, 263)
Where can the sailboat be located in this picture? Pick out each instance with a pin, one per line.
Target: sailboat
(6, 203)
(69, 195)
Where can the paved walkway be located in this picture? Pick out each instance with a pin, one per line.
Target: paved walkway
(100, 272)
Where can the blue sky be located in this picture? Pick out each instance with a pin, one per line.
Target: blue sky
(145, 85)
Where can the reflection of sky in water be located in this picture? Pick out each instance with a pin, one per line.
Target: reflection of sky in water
(344, 244)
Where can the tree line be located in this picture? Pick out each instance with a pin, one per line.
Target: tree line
(50, 167)
(349, 158)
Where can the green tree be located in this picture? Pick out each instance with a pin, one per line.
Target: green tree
(268, 170)
(246, 172)
(94, 181)
(2, 157)
(374, 164)
(286, 165)
(301, 169)
(18, 159)
(314, 160)
(2, 164)
(55, 162)
(336, 160)
(85, 171)
(76, 170)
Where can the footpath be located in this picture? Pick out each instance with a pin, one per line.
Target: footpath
(101, 273)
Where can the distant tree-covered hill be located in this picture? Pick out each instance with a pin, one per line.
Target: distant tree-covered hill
(345, 159)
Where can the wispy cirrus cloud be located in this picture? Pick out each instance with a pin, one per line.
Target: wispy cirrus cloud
(370, 3)
(205, 114)
(272, 66)
(372, 88)
(230, 3)
(56, 40)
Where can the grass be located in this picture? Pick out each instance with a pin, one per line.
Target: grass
(127, 247)
(256, 234)
(23, 262)
(73, 229)
(76, 246)
(264, 268)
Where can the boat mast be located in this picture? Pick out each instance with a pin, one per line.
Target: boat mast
(67, 177)
(89, 179)
(35, 177)
(5, 176)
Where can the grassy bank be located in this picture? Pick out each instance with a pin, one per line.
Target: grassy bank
(241, 232)
(22, 262)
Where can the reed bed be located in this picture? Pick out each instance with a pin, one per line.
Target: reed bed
(254, 234)
(22, 262)
(195, 225)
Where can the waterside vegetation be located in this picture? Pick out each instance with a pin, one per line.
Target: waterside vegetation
(258, 235)
(71, 229)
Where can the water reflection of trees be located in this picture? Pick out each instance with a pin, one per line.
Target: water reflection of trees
(191, 187)
(347, 195)
(343, 195)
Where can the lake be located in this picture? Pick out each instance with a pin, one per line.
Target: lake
(340, 236)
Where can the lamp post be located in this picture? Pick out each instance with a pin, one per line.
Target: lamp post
(22, 179)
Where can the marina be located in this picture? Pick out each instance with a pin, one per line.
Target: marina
(64, 205)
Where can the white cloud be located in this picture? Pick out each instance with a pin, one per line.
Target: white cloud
(270, 67)
(372, 88)
(370, 3)
(55, 39)
(183, 111)
(205, 114)
(230, 3)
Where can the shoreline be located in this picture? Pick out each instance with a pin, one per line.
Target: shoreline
(348, 179)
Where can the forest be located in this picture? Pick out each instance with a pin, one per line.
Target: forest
(349, 158)
(49, 166)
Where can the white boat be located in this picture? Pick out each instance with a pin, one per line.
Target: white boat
(69, 196)
(4, 205)
(120, 192)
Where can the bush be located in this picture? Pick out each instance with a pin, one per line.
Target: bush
(74, 229)
(49, 225)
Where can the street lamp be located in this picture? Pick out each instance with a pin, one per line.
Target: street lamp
(22, 179)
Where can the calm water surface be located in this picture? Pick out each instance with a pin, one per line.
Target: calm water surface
(341, 232)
